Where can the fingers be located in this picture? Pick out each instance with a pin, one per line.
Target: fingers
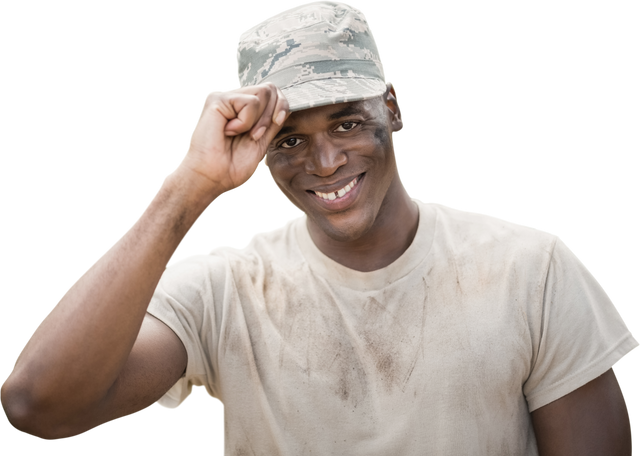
(274, 109)
(269, 95)
(281, 111)
(241, 111)
(280, 114)
(254, 110)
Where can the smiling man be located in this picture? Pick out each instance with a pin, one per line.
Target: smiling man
(376, 324)
(336, 164)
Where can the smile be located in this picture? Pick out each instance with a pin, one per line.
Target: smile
(340, 199)
(339, 193)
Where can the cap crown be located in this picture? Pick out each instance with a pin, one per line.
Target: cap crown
(326, 44)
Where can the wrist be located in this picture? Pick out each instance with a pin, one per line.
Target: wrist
(192, 189)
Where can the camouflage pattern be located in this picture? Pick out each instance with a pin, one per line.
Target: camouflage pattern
(317, 54)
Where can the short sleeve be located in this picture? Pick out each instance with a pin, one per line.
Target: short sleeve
(581, 333)
(184, 300)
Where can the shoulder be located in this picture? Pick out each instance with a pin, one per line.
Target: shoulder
(276, 245)
(463, 230)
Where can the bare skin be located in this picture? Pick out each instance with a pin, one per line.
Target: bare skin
(322, 150)
(590, 421)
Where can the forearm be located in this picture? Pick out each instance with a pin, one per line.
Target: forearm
(77, 353)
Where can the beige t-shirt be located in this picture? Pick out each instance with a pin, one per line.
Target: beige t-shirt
(443, 352)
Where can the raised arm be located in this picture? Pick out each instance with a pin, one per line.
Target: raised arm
(93, 359)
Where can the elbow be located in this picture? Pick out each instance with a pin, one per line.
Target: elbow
(22, 419)
(26, 421)
(19, 414)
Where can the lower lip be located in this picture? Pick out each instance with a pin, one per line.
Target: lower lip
(343, 202)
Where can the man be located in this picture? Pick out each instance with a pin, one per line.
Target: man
(376, 324)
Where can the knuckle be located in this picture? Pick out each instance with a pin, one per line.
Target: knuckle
(266, 89)
(214, 95)
(254, 100)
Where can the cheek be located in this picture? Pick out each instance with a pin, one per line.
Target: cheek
(282, 172)
(382, 136)
(385, 160)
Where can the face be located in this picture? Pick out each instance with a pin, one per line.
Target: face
(336, 163)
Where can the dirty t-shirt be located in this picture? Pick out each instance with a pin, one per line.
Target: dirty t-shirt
(443, 352)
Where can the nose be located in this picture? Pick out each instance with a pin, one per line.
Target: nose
(324, 158)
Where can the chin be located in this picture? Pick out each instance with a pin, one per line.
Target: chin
(343, 227)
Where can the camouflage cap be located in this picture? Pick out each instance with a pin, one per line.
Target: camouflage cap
(317, 54)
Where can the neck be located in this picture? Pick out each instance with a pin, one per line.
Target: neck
(390, 235)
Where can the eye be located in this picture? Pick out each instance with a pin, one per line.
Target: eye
(290, 143)
(347, 126)
(286, 144)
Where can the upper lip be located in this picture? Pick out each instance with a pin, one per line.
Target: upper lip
(334, 186)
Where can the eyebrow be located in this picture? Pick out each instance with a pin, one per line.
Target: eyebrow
(344, 112)
(347, 111)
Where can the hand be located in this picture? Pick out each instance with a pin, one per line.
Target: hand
(232, 135)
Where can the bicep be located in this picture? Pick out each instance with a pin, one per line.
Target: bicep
(591, 420)
(156, 362)
(158, 359)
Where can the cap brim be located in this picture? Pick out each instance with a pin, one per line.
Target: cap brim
(312, 94)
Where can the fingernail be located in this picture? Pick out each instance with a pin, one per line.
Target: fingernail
(280, 118)
(258, 134)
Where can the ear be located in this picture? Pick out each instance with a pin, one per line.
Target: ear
(394, 110)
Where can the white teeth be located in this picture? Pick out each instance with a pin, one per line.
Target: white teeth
(340, 193)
